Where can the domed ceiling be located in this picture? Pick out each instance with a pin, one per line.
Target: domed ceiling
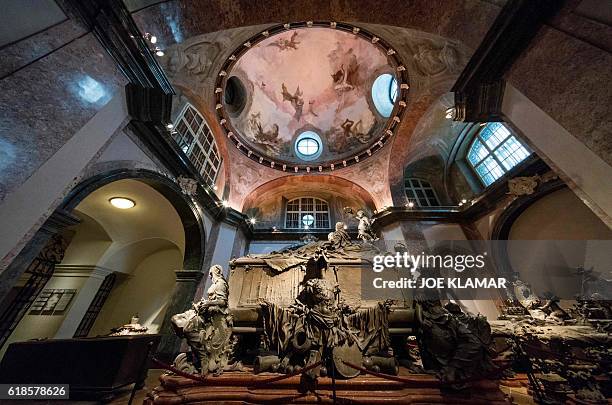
(306, 95)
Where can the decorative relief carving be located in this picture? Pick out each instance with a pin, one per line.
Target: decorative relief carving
(432, 59)
(54, 249)
(520, 186)
(197, 59)
(188, 186)
(365, 231)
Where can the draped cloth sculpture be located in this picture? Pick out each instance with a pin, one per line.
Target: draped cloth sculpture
(207, 328)
(337, 246)
(453, 343)
(318, 323)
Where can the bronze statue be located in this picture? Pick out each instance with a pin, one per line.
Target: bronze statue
(319, 327)
(207, 328)
(453, 343)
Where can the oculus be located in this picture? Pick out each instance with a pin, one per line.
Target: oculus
(384, 94)
(308, 145)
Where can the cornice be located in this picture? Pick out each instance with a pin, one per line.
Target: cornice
(480, 86)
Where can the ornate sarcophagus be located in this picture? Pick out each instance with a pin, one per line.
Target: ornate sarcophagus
(279, 277)
(301, 312)
(253, 279)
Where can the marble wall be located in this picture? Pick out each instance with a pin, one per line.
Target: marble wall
(566, 72)
(47, 93)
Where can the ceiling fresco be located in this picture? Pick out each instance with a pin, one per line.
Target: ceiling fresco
(432, 62)
(308, 79)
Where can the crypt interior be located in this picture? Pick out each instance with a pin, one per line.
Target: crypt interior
(191, 193)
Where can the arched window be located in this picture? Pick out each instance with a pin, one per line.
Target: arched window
(307, 213)
(420, 192)
(494, 151)
(195, 138)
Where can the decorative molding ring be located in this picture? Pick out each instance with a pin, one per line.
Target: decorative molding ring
(386, 133)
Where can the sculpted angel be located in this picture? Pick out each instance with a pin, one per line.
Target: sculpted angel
(364, 229)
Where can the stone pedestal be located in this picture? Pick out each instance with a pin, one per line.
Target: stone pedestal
(246, 388)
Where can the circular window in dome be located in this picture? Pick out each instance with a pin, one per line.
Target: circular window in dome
(308, 220)
(235, 96)
(384, 94)
(308, 145)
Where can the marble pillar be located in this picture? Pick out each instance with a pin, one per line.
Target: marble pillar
(184, 292)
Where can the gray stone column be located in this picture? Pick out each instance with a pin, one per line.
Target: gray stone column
(57, 222)
(184, 292)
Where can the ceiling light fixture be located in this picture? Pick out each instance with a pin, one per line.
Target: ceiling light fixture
(450, 113)
(158, 51)
(150, 37)
(122, 203)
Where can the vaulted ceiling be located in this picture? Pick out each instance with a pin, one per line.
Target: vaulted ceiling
(433, 43)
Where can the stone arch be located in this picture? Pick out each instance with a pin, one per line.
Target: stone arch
(186, 208)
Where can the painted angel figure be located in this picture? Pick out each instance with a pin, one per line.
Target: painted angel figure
(364, 229)
(296, 100)
(284, 44)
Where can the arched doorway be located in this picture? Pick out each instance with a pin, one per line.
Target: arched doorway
(154, 250)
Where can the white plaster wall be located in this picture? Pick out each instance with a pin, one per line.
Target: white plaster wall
(223, 248)
(46, 326)
(123, 148)
(585, 171)
(146, 292)
(443, 232)
(25, 209)
(556, 219)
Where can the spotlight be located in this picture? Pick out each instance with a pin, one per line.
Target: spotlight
(410, 204)
(122, 203)
(215, 187)
(158, 51)
(150, 37)
(253, 221)
(225, 203)
(463, 201)
(170, 125)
